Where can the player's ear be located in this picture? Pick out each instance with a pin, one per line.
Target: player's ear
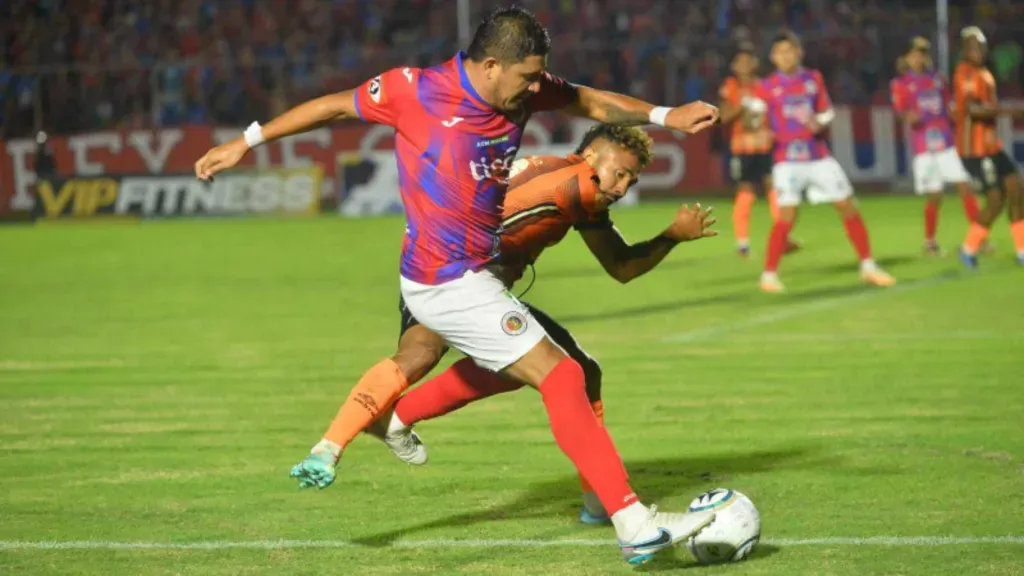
(491, 67)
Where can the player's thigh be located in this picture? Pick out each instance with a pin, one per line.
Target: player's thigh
(985, 173)
(790, 180)
(758, 170)
(477, 315)
(828, 182)
(951, 167)
(419, 348)
(928, 176)
(564, 339)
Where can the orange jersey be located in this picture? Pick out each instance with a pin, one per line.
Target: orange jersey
(744, 139)
(547, 195)
(974, 138)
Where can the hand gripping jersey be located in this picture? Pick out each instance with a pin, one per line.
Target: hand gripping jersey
(454, 152)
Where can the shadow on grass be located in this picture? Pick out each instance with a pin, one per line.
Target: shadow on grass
(655, 480)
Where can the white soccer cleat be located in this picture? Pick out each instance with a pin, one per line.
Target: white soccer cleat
(770, 283)
(872, 274)
(663, 530)
(407, 446)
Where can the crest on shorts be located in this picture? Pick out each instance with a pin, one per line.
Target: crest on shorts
(513, 323)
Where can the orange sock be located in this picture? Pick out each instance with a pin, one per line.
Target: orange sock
(376, 391)
(773, 204)
(598, 408)
(745, 200)
(976, 235)
(1017, 229)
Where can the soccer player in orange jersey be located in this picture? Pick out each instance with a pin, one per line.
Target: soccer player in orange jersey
(750, 143)
(547, 197)
(976, 107)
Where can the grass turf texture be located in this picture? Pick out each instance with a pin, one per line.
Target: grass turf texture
(159, 380)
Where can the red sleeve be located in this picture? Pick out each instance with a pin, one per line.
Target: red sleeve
(381, 99)
(555, 93)
(899, 100)
(761, 90)
(822, 102)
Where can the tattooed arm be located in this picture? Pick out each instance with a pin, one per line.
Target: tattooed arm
(612, 108)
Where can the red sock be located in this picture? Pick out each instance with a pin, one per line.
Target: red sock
(582, 438)
(777, 245)
(970, 207)
(858, 236)
(462, 383)
(931, 221)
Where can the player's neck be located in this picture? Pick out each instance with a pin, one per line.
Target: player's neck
(475, 74)
(748, 79)
(792, 71)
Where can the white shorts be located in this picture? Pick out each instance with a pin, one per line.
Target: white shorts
(823, 180)
(477, 315)
(933, 170)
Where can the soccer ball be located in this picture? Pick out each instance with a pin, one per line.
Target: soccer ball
(734, 532)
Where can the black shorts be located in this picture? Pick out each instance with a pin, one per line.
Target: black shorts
(988, 172)
(753, 168)
(558, 334)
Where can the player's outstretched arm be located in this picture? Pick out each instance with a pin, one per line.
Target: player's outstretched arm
(302, 118)
(624, 261)
(612, 108)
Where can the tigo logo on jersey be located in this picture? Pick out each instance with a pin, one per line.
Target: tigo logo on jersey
(513, 323)
(374, 90)
(493, 169)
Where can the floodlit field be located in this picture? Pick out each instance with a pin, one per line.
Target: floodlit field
(157, 382)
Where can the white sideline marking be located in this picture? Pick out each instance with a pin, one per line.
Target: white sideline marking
(800, 310)
(900, 541)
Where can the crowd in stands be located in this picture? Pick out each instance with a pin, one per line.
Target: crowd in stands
(79, 65)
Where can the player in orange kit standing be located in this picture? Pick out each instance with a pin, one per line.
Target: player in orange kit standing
(750, 142)
(977, 107)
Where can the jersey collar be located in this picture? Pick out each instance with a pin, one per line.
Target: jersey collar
(464, 80)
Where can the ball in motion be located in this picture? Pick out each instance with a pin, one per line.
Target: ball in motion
(734, 532)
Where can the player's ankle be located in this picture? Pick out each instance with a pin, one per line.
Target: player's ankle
(592, 504)
(629, 521)
(396, 425)
(325, 446)
(868, 265)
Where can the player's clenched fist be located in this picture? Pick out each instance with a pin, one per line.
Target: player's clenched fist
(692, 118)
(220, 158)
(692, 224)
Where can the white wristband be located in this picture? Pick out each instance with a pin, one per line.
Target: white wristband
(825, 118)
(658, 115)
(253, 135)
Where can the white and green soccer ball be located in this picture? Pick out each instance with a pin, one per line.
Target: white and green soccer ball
(734, 532)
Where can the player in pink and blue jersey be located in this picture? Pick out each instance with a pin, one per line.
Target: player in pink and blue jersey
(458, 128)
(921, 97)
(799, 111)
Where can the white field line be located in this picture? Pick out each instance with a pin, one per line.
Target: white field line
(898, 541)
(803, 309)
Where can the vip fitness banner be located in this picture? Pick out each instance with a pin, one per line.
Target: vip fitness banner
(152, 168)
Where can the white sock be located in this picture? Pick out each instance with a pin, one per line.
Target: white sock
(868, 264)
(396, 425)
(629, 521)
(593, 504)
(766, 275)
(326, 446)
(743, 243)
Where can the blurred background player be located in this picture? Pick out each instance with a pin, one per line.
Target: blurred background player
(921, 97)
(977, 107)
(750, 143)
(799, 110)
(458, 127)
(548, 196)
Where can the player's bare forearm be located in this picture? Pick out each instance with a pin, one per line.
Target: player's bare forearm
(312, 114)
(983, 112)
(624, 261)
(609, 107)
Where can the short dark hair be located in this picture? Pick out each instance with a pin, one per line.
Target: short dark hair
(787, 36)
(509, 35)
(745, 48)
(629, 138)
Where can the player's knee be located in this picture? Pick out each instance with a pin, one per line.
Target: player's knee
(416, 357)
(846, 208)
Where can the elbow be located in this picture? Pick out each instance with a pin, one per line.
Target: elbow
(623, 273)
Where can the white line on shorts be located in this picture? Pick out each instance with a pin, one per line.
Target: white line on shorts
(803, 309)
(899, 541)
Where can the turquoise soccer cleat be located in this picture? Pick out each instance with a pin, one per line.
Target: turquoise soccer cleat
(594, 519)
(317, 470)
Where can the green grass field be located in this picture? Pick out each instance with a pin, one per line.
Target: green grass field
(157, 382)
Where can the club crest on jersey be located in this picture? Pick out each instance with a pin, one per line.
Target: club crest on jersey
(811, 87)
(374, 90)
(513, 323)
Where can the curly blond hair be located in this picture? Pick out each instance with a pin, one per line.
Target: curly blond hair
(628, 138)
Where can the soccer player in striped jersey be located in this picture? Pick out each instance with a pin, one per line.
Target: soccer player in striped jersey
(547, 197)
(921, 97)
(750, 142)
(976, 108)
